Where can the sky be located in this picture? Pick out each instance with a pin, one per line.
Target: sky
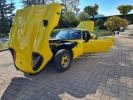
(106, 7)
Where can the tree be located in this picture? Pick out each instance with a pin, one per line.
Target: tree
(35, 2)
(68, 19)
(6, 15)
(70, 5)
(27, 3)
(100, 23)
(11, 8)
(76, 10)
(92, 10)
(3, 10)
(83, 16)
(125, 9)
(114, 23)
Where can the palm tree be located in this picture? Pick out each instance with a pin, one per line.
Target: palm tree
(125, 9)
(92, 10)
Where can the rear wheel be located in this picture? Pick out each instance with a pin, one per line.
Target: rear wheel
(62, 60)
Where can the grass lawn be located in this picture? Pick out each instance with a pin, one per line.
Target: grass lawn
(101, 32)
(3, 45)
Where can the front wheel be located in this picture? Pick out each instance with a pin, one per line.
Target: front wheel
(62, 60)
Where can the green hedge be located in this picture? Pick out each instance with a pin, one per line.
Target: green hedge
(100, 21)
(129, 17)
(3, 35)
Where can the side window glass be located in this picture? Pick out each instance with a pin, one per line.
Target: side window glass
(76, 35)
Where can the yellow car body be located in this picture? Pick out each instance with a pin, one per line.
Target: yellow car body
(29, 38)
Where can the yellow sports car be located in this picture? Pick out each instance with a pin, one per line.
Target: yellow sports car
(30, 45)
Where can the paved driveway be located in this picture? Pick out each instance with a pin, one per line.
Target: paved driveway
(107, 76)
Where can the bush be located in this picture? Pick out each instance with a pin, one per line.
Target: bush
(100, 22)
(129, 17)
(114, 23)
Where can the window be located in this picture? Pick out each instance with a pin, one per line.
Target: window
(69, 34)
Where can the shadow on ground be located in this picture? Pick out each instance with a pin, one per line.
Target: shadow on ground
(78, 81)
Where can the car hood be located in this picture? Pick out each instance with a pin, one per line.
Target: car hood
(30, 33)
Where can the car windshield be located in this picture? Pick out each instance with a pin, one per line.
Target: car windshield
(69, 34)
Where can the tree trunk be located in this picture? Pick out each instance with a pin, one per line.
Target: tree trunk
(124, 16)
(94, 19)
(113, 33)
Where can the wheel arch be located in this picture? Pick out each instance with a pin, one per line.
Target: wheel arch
(55, 50)
(69, 49)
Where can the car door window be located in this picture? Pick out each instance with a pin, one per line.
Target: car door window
(76, 35)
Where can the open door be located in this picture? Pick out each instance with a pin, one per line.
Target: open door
(97, 46)
(94, 46)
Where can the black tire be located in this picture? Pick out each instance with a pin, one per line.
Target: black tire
(58, 60)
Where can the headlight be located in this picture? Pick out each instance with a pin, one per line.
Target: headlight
(37, 60)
